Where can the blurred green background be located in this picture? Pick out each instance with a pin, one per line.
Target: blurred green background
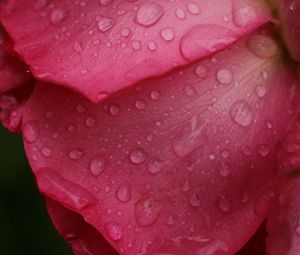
(25, 228)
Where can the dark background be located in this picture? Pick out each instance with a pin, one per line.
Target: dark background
(25, 228)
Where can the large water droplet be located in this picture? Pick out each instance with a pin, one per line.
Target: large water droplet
(123, 193)
(57, 16)
(75, 154)
(224, 76)
(167, 34)
(105, 24)
(154, 166)
(138, 156)
(149, 14)
(241, 113)
(114, 231)
(30, 131)
(147, 211)
(223, 204)
(243, 14)
(262, 46)
(202, 40)
(97, 166)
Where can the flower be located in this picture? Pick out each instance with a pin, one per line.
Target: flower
(174, 128)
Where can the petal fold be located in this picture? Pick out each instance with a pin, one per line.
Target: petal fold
(99, 47)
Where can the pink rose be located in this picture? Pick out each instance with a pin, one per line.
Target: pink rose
(159, 127)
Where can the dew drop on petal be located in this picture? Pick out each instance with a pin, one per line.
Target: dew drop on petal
(138, 156)
(114, 110)
(260, 91)
(194, 200)
(114, 231)
(123, 193)
(262, 46)
(90, 121)
(155, 95)
(263, 150)
(105, 24)
(57, 16)
(46, 152)
(152, 45)
(146, 211)
(241, 113)
(149, 14)
(31, 131)
(201, 71)
(167, 34)
(140, 104)
(154, 166)
(224, 76)
(97, 166)
(180, 13)
(243, 14)
(193, 8)
(223, 204)
(75, 154)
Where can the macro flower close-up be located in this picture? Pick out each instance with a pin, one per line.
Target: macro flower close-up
(162, 127)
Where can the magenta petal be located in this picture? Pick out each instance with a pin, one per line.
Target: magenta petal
(184, 162)
(284, 222)
(100, 47)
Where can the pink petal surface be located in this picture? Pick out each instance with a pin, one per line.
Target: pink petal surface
(98, 47)
(191, 155)
(284, 222)
(289, 12)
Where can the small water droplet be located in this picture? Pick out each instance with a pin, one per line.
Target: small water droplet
(77, 46)
(243, 14)
(224, 170)
(149, 14)
(180, 13)
(90, 121)
(189, 90)
(46, 152)
(125, 32)
(212, 156)
(146, 211)
(224, 76)
(225, 154)
(201, 71)
(262, 46)
(154, 166)
(80, 108)
(136, 45)
(263, 150)
(195, 200)
(41, 4)
(140, 104)
(30, 131)
(152, 45)
(167, 34)
(155, 95)
(75, 154)
(260, 91)
(114, 231)
(138, 156)
(241, 113)
(114, 110)
(105, 2)
(97, 166)
(193, 8)
(57, 16)
(105, 24)
(123, 193)
(186, 186)
(223, 204)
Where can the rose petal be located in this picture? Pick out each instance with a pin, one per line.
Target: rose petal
(284, 222)
(98, 47)
(184, 162)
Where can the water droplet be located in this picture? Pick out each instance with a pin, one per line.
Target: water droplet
(241, 113)
(212, 156)
(125, 32)
(80, 108)
(97, 166)
(57, 16)
(47, 152)
(75, 154)
(105, 2)
(186, 186)
(146, 211)
(114, 110)
(138, 156)
(123, 193)
(224, 76)
(90, 121)
(195, 200)
(155, 95)
(243, 14)
(114, 231)
(167, 34)
(152, 45)
(260, 91)
(154, 166)
(224, 170)
(262, 46)
(263, 150)
(77, 46)
(202, 40)
(225, 154)
(149, 14)
(201, 71)
(189, 90)
(223, 204)
(136, 45)
(193, 8)
(41, 4)
(30, 131)
(140, 104)
(105, 24)
(180, 13)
